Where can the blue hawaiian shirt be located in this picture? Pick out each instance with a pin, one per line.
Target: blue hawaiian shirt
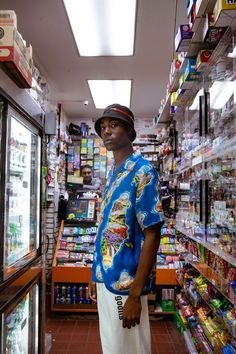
(129, 205)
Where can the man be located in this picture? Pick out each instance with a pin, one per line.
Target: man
(89, 183)
(127, 240)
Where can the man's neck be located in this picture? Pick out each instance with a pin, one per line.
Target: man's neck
(120, 156)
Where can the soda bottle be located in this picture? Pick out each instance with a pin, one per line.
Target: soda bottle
(57, 291)
(74, 294)
(68, 295)
(80, 294)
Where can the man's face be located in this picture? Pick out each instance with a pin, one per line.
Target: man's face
(114, 134)
(87, 175)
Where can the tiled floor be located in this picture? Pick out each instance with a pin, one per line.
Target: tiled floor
(81, 336)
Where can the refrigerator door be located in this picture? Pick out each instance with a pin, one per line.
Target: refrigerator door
(22, 193)
(20, 325)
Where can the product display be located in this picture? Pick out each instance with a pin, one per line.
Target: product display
(207, 310)
(87, 151)
(76, 246)
(71, 294)
(81, 209)
(55, 169)
(169, 253)
(71, 269)
(201, 99)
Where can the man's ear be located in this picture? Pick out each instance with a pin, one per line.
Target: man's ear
(130, 131)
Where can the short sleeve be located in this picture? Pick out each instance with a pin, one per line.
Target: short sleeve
(147, 197)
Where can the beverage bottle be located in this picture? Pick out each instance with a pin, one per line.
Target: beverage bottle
(57, 291)
(74, 294)
(80, 294)
(63, 290)
(68, 295)
(63, 294)
(57, 299)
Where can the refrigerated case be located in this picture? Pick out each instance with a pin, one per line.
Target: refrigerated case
(21, 314)
(20, 190)
(22, 278)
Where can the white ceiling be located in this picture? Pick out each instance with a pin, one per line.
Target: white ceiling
(44, 24)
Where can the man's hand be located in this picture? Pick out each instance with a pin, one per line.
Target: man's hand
(132, 311)
(92, 290)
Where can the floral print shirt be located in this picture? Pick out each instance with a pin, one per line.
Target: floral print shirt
(129, 205)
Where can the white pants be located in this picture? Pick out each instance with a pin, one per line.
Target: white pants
(114, 338)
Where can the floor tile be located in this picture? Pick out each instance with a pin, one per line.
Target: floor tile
(161, 338)
(77, 346)
(79, 338)
(59, 346)
(63, 337)
(163, 348)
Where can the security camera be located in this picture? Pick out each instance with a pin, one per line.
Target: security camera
(85, 103)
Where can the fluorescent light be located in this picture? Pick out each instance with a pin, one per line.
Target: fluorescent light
(195, 105)
(220, 93)
(102, 27)
(106, 92)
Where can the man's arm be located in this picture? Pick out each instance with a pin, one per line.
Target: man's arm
(132, 307)
(94, 186)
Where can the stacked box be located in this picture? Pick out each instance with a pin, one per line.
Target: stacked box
(14, 53)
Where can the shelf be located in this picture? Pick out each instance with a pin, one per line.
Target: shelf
(189, 342)
(214, 311)
(175, 81)
(75, 308)
(165, 114)
(227, 257)
(166, 276)
(211, 276)
(79, 222)
(227, 148)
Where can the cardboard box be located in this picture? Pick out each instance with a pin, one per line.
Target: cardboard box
(168, 305)
(15, 56)
(8, 18)
(211, 34)
(173, 98)
(202, 59)
(183, 38)
(190, 73)
(224, 13)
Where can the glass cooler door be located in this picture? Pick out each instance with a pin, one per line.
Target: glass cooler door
(20, 325)
(189, 172)
(221, 154)
(22, 188)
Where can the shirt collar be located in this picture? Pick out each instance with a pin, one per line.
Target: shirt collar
(128, 165)
(131, 160)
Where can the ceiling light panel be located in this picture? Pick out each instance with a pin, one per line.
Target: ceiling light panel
(106, 92)
(104, 27)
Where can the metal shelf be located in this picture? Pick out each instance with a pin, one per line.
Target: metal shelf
(211, 276)
(165, 115)
(214, 311)
(227, 257)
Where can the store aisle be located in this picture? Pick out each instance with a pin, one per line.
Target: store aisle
(72, 336)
